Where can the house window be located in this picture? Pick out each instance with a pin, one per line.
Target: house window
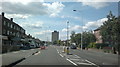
(11, 26)
(11, 33)
(8, 32)
(8, 24)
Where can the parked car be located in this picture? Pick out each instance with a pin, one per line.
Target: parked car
(73, 47)
(42, 47)
(32, 46)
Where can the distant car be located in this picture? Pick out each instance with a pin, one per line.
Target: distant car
(42, 47)
(32, 46)
(73, 47)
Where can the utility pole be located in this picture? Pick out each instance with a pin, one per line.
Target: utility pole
(67, 33)
(67, 37)
(81, 31)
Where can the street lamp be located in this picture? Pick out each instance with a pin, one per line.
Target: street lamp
(81, 33)
(67, 37)
(67, 31)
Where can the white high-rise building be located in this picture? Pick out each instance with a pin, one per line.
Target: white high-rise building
(55, 36)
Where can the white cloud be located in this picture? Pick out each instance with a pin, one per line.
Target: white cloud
(88, 26)
(72, 17)
(98, 0)
(53, 15)
(96, 5)
(42, 32)
(94, 24)
(64, 30)
(20, 16)
(76, 27)
(36, 25)
(73, 28)
(32, 8)
(26, 1)
(54, 8)
(22, 1)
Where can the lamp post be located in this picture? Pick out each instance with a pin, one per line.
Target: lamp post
(67, 37)
(67, 32)
(81, 46)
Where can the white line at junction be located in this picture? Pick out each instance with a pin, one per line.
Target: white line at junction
(92, 63)
(72, 62)
(61, 55)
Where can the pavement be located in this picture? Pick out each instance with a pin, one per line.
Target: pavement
(12, 57)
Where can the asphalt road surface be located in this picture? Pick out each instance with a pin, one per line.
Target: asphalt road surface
(54, 55)
(49, 56)
(95, 58)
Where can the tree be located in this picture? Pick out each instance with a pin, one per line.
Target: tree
(88, 37)
(110, 31)
(72, 36)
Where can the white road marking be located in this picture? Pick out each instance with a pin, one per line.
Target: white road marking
(77, 56)
(61, 55)
(72, 62)
(92, 63)
(57, 51)
(84, 63)
(37, 53)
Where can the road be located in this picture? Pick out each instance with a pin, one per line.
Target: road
(54, 55)
(93, 57)
(48, 56)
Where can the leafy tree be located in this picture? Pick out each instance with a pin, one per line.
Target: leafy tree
(110, 31)
(73, 37)
(88, 37)
(55, 42)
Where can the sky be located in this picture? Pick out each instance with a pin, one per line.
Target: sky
(41, 18)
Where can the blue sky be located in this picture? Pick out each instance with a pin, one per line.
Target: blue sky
(41, 18)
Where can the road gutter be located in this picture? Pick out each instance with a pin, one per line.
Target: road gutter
(13, 64)
(20, 60)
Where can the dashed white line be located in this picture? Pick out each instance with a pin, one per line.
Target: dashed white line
(84, 63)
(91, 63)
(61, 55)
(57, 51)
(37, 53)
(72, 62)
(77, 56)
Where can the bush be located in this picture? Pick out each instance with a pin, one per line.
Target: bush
(101, 45)
(92, 45)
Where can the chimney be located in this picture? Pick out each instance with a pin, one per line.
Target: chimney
(11, 19)
(3, 14)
